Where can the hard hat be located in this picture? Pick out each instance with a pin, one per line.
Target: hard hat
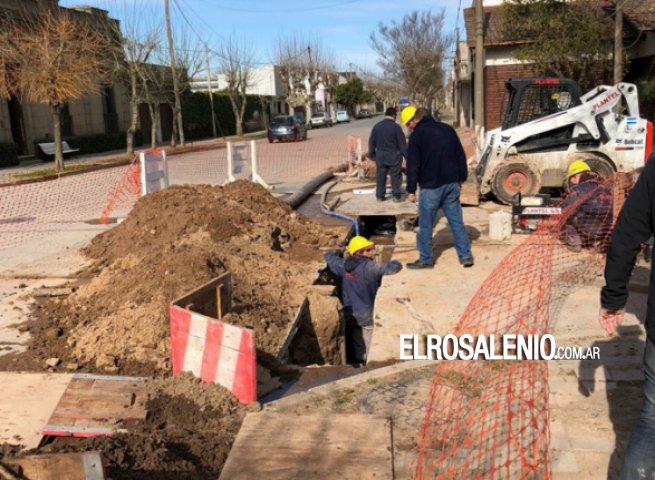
(358, 243)
(407, 114)
(579, 166)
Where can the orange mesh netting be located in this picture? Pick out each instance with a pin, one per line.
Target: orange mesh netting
(489, 418)
(126, 191)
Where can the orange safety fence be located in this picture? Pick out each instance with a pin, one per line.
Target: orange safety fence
(125, 192)
(488, 419)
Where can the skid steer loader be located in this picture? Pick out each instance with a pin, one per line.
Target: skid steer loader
(547, 125)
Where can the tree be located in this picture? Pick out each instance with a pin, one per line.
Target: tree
(56, 56)
(351, 93)
(139, 39)
(565, 39)
(412, 53)
(235, 59)
(302, 63)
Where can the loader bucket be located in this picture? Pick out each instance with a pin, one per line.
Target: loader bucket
(470, 194)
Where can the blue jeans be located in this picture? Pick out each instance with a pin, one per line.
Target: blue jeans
(431, 200)
(639, 457)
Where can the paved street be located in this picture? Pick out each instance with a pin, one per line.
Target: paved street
(32, 212)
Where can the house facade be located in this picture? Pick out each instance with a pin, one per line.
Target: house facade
(501, 64)
(104, 112)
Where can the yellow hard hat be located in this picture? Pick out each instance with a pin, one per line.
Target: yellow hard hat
(407, 114)
(358, 243)
(579, 166)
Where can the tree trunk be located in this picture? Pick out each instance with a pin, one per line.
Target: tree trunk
(134, 112)
(154, 122)
(56, 126)
(242, 112)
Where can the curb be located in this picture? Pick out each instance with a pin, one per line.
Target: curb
(351, 381)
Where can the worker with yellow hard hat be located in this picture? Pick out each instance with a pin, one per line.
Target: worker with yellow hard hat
(577, 167)
(588, 207)
(436, 163)
(361, 277)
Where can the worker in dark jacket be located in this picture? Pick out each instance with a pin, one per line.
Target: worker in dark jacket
(387, 146)
(361, 276)
(590, 223)
(636, 223)
(436, 163)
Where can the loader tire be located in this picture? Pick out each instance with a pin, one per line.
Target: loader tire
(601, 166)
(513, 178)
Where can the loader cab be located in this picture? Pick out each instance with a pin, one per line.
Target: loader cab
(529, 99)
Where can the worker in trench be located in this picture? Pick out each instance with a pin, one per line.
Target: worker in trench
(361, 277)
(590, 223)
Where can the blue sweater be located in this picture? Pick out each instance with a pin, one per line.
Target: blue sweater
(435, 156)
(361, 277)
(387, 144)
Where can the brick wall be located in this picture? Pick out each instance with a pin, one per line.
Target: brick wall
(495, 97)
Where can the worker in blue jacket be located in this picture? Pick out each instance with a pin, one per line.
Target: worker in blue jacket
(387, 146)
(361, 277)
(590, 222)
(436, 163)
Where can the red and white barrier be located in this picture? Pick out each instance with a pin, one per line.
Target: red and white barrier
(214, 351)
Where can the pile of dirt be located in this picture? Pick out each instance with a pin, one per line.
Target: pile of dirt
(172, 242)
(188, 434)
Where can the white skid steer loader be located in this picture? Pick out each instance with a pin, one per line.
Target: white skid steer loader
(547, 125)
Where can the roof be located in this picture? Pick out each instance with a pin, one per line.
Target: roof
(640, 13)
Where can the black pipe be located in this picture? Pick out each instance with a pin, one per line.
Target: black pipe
(295, 200)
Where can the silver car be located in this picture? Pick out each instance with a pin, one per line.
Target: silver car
(321, 119)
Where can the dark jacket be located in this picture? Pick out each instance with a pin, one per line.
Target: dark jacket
(387, 144)
(592, 202)
(435, 156)
(361, 277)
(636, 223)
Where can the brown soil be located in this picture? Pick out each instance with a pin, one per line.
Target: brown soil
(172, 242)
(188, 433)
(116, 320)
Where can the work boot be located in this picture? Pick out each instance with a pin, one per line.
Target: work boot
(466, 262)
(380, 199)
(397, 198)
(419, 264)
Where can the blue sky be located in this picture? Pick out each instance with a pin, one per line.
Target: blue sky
(343, 26)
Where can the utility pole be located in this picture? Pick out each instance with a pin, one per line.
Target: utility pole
(209, 86)
(457, 100)
(618, 42)
(176, 86)
(479, 67)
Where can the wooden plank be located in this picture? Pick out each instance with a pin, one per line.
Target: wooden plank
(95, 404)
(280, 446)
(69, 466)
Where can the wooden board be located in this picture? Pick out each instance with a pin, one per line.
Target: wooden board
(26, 403)
(280, 446)
(367, 204)
(69, 466)
(95, 404)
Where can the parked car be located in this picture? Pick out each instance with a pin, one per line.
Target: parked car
(321, 119)
(342, 116)
(286, 127)
(364, 113)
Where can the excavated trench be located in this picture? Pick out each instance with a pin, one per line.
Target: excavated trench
(319, 361)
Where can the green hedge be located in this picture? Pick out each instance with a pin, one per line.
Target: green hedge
(197, 119)
(96, 143)
(8, 155)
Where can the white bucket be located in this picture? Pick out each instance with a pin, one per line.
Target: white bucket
(500, 226)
